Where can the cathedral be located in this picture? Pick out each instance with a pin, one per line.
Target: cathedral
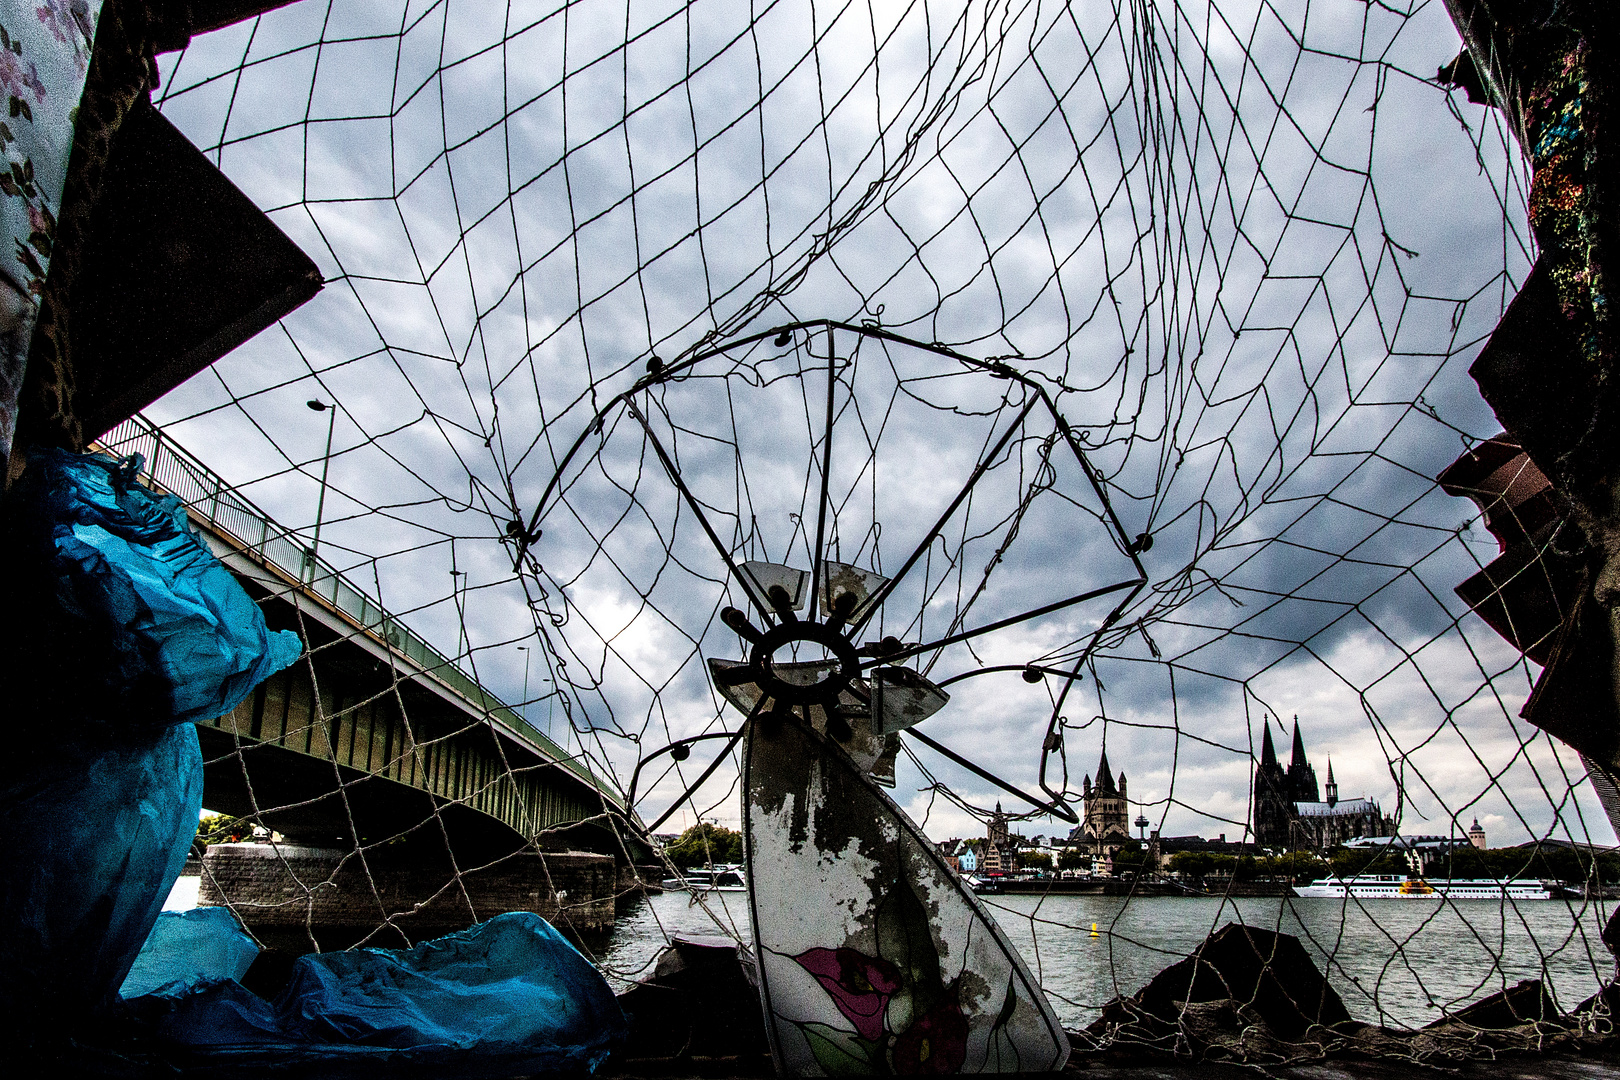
(1107, 820)
(1290, 811)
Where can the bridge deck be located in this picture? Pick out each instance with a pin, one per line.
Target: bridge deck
(374, 733)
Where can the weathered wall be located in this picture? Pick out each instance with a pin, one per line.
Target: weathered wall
(638, 881)
(288, 895)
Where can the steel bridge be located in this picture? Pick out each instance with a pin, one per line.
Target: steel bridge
(374, 734)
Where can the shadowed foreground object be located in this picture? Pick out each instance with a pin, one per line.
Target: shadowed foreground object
(507, 997)
(121, 631)
(1548, 485)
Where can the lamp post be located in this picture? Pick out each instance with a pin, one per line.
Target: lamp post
(326, 464)
(524, 649)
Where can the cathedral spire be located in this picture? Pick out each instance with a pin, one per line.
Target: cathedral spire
(1268, 752)
(1301, 777)
(1105, 779)
(1332, 788)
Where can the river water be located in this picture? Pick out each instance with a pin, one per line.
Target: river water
(1397, 962)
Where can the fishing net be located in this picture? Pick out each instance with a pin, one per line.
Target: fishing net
(1175, 299)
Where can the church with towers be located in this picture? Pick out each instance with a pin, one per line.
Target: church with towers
(1290, 811)
(1107, 820)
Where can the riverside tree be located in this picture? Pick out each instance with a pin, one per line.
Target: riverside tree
(706, 843)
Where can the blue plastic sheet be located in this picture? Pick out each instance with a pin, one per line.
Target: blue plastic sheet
(116, 627)
(139, 621)
(89, 848)
(190, 946)
(506, 996)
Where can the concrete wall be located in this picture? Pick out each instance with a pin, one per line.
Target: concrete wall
(294, 897)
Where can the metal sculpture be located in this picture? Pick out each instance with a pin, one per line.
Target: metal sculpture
(874, 957)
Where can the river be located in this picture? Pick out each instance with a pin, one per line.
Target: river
(1397, 962)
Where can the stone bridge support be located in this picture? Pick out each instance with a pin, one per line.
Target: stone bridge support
(302, 898)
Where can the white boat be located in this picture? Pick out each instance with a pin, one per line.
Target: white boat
(722, 877)
(1399, 887)
(984, 886)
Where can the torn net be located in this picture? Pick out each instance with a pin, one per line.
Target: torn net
(1246, 252)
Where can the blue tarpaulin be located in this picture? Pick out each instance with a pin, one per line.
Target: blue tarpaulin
(507, 996)
(189, 946)
(117, 627)
(89, 848)
(139, 621)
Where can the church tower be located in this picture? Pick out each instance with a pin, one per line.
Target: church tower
(1301, 777)
(1273, 808)
(1332, 789)
(1476, 835)
(1107, 817)
(996, 831)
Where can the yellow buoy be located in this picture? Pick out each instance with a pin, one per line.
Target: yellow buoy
(1094, 930)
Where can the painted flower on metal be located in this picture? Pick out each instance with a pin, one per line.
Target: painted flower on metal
(860, 985)
(908, 1020)
(70, 23)
(935, 1044)
(19, 78)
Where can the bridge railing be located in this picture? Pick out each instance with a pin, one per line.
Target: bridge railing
(208, 496)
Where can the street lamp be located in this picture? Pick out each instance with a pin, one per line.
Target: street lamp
(524, 649)
(326, 464)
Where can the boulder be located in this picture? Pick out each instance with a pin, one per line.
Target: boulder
(1266, 975)
(1527, 1003)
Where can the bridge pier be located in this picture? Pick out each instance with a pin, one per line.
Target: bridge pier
(297, 898)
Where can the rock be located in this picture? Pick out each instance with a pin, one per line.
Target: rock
(1526, 1003)
(1267, 976)
(1596, 1014)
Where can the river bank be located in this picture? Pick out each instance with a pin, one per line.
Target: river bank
(1117, 887)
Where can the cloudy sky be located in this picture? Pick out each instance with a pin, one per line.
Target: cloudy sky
(1248, 250)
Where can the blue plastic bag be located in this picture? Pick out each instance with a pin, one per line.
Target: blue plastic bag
(134, 620)
(89, 848)
(117, 627)
(507, 996)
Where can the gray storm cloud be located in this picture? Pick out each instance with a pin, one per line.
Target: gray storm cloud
(1250, 253)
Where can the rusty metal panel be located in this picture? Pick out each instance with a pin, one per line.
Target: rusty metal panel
(173, 22)
(1524, 596)
(1515, 496)
(1574, 700)
(1540, 387)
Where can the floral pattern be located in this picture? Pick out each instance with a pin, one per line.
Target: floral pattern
(935, 1044)
(874, 958)
(19, 77)
(860, 985)
(70, 23)
(907, 1020)
(43, 61)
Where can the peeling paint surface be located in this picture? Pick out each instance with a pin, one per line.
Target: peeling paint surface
(874, 958)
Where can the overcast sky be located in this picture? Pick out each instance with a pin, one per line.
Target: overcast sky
(1252, 275)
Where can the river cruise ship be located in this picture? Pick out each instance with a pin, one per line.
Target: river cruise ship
(1398, 887)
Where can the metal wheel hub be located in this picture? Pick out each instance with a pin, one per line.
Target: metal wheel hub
(823, 692)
